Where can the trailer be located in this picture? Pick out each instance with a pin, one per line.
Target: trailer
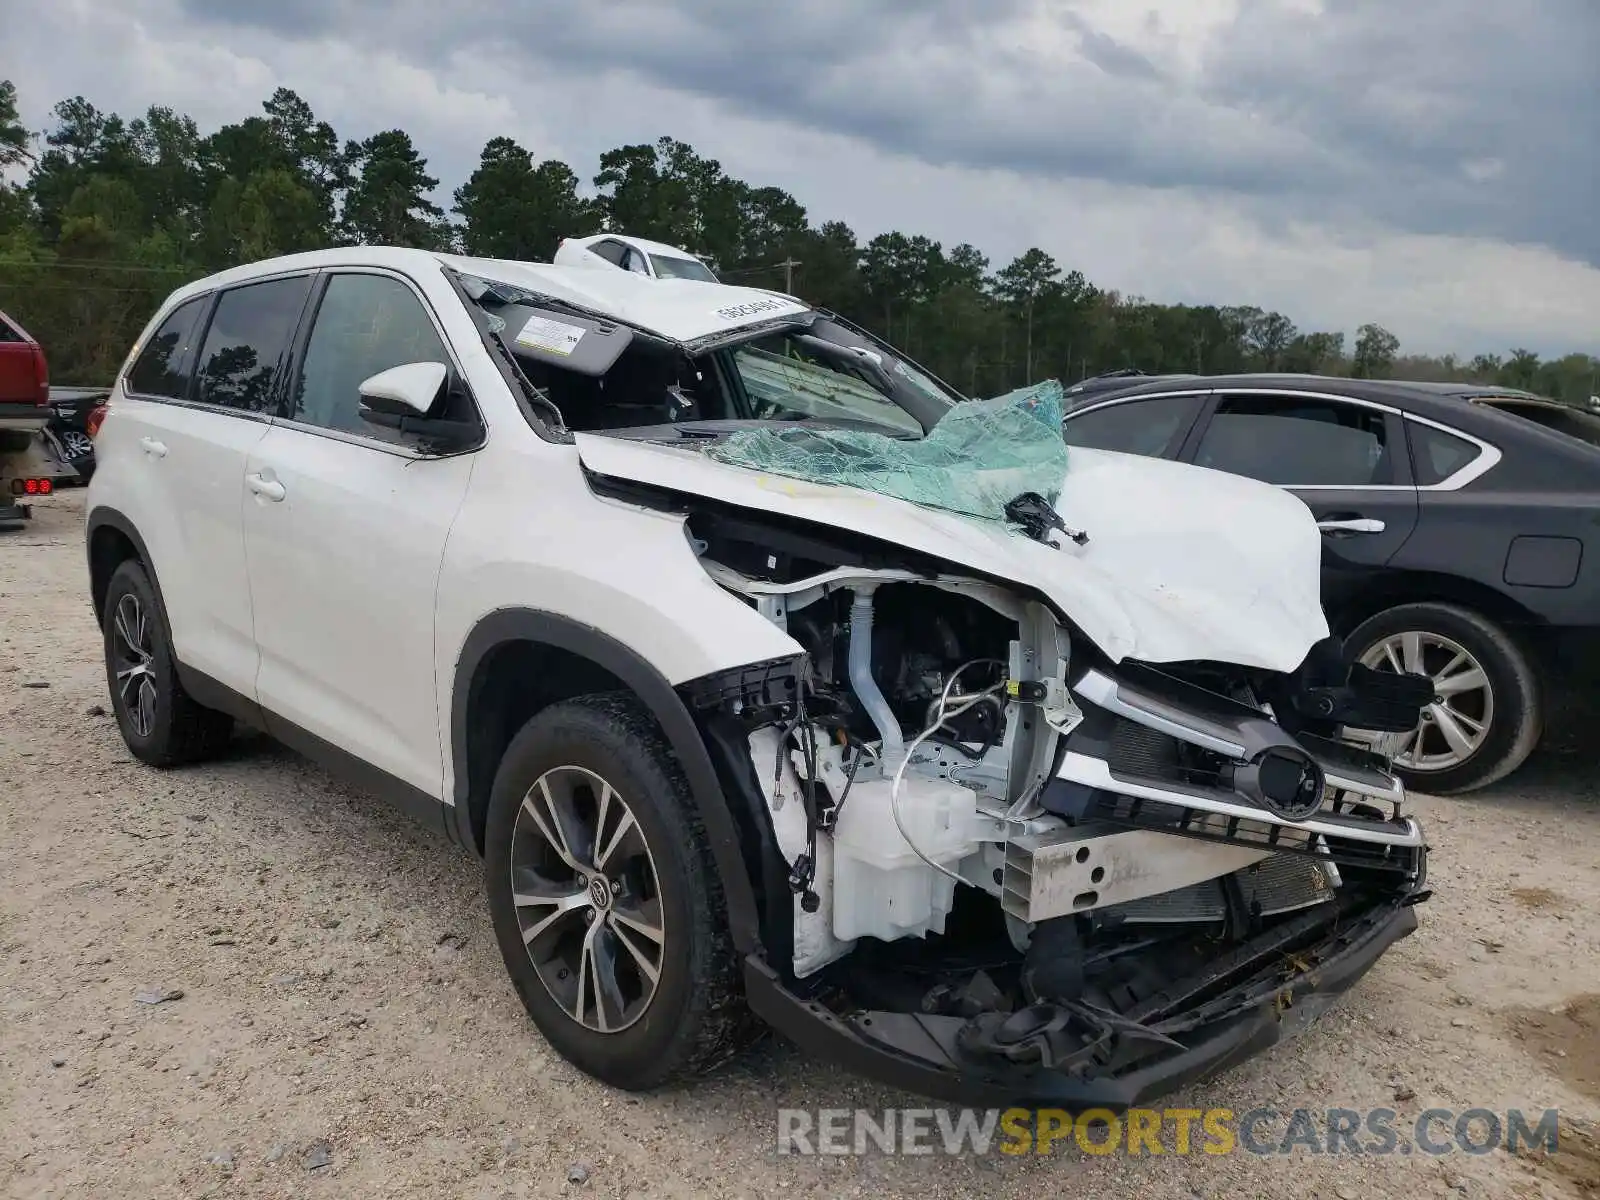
(27, 471)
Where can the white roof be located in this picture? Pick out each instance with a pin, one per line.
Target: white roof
(680, 309)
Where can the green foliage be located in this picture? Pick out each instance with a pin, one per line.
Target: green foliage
(387, 204)
(117, 212)
(512, 208)
(1376, 348)
(14, 138)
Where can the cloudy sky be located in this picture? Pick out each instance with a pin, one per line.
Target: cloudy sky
(1432, 165)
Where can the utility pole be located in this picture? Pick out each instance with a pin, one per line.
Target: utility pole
(788, 265)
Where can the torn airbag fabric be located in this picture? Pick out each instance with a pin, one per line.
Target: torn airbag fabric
(979, 456)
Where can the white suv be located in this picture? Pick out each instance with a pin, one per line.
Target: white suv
(673, 601)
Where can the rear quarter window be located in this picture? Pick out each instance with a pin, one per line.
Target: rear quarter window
(160, 368)
(1436, 455)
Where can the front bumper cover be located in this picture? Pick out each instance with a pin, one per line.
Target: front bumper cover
(919, 1053)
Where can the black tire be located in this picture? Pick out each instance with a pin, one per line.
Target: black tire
(1518, 714)
(696, 1017)
(174, 730)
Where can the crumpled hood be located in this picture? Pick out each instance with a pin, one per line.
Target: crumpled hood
(1182, 563)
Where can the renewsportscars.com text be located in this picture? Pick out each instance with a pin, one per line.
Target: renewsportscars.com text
(1139, 1131)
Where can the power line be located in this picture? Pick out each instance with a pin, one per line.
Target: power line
(77, 287)
(95, 264)
(787, 266)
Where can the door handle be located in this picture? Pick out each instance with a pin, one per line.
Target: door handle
(152, 447)
(1352, 525)
(269, 489)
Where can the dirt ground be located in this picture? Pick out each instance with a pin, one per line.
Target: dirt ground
(343, 1000)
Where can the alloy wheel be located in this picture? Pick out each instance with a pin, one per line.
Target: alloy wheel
(1456, 724)
(76, 444)
(136, 679)
(588, 899)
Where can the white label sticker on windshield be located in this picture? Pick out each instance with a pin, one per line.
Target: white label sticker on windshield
(553, 337)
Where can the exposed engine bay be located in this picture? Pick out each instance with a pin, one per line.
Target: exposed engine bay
(1001, 848)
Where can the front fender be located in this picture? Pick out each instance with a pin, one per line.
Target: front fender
(664, 703)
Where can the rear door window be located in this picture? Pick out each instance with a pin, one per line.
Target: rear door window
(1298, 442)
(161, 368)
(1153, 427)
(246, 343)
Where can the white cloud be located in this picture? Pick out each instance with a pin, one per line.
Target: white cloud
(1328, 267)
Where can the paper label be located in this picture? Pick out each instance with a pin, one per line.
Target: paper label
(738, 312)
(553, 337)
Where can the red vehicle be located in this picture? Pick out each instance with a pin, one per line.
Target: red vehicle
(24, 409)
(24, 377)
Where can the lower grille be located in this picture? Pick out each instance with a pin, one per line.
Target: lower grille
(1280, 884)
(1200, 903)
(1284, 883)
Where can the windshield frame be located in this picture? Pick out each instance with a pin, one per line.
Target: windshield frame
(482, 294)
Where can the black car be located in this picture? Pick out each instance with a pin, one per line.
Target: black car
(1461, 533)
(67, 430)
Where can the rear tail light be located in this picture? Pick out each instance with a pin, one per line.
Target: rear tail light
(31, 487)
(41, 377)
(95, 419)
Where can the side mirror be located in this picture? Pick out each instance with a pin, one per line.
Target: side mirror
(409, 389)
(402, 397)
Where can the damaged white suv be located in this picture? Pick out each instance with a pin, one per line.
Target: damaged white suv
(764, 674)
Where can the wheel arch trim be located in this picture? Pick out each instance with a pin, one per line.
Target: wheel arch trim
(511, 625)
(105, 517)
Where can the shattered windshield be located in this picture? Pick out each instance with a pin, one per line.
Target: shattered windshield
(670, 266)
(984, 455)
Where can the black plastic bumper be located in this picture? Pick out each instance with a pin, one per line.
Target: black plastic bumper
(925, 1067)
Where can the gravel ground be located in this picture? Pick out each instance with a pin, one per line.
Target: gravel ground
(342, 998)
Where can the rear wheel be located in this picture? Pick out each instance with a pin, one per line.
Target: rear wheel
(605, 899)
(160, 723)
(1487, 712)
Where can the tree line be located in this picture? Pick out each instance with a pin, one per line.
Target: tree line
(112, 213)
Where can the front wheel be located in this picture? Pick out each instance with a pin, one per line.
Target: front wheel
(1487, 712)
(605, 899)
